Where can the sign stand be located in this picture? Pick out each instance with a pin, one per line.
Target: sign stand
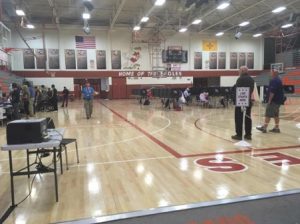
(261, 99)
(242, 100)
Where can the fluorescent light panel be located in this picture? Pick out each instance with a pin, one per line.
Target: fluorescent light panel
(182, 30)
(160, 2)
(136, 28)
(30, 26)
(279, 9)
(196, 21)
(144, 19)
(257, 35)
(86, 15)
(244, 23)
(219, 34)
(20, 12)
(223, 5)
(287, 25)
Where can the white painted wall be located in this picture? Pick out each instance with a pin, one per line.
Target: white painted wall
(121, 39)
(58, 82)
(159, 81)
(228, 81)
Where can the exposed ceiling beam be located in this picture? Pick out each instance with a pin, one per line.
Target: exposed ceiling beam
(120, 7)
(233, 15)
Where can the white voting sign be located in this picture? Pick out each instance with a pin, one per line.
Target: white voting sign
(242, 96)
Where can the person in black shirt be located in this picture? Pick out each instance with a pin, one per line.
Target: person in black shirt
(15, 101)
(65, 97)
(53, 99)
(244, 80)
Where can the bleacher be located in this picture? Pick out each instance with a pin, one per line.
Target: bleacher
(6, 79)
(292, 78)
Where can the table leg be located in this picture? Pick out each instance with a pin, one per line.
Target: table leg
(28, 168)
(77, 151)
(55, 174)
(67, 161)
(12, 190)
(60, 159)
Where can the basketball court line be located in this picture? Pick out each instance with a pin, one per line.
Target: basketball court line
(111, 162)
(178, 155)
(151, 137)
(241, 151)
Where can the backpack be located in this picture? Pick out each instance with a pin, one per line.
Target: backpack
(283, 99)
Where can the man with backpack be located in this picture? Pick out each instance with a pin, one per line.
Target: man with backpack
(275, 99)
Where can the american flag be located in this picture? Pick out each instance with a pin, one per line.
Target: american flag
(86, 42)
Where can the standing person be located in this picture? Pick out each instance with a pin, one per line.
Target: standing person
(25, 100)
(53, 99)
(65, 97)
(187, 95)
(275, 99)
(37, 99)
(15, 101)
(88, 95)
(244, 80)
(31, 98)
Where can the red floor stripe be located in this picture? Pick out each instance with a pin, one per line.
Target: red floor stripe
(242, 151)
(195, 123)
(161, 144)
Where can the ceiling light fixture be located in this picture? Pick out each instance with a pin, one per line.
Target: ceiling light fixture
(136, 28)
(223, 5)
(160, 2)
(196, 21)
(219, 34)
(244, 23)
(86, 15)
(144, 19)
(182, 30)
(30, 26)
(20, 12)
(287, 25)
(257, 35)
(279, 9)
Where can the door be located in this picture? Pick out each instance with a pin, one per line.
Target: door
(119, 88)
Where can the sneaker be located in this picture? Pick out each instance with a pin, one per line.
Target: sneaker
(262, 129)
(275, 130)
(248, 137)
(236, 137)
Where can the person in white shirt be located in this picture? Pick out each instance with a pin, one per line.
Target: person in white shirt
(187, 95)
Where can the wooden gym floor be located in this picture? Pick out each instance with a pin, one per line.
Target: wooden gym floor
(136, 157)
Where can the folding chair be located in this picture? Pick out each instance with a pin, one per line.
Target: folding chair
(64, 142)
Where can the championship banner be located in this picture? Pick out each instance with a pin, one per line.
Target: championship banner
(70, 59)
(222, 60)
(40, 58)
(101, 59)
(81, 59)
(198, 60)
(242, 59)
(213, 58)
(250, 60)
(53, 58)
(209, 45)
(28, 58)
(233, 60)
(115, 59)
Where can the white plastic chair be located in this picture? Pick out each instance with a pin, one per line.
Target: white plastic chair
(2, 117)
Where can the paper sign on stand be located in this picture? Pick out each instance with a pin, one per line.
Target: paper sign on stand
(242, 100)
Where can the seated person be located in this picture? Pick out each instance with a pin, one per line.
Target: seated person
(204, 98)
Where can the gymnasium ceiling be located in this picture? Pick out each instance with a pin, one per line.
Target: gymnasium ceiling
(169, 18)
